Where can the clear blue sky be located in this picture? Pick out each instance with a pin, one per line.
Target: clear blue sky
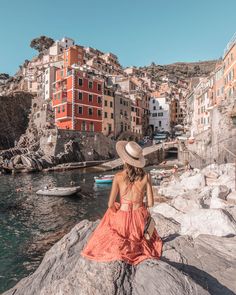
(138, 31)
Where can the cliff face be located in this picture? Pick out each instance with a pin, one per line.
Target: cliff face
(14, 113)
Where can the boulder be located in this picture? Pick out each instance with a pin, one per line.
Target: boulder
(186, 203)
(64, 271)
(172, 190)
(194, 182)
(168, 211)
(208, 260)
(166, 227)
(216, 222)
(231, 198)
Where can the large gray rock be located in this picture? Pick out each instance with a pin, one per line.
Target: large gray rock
(208, 221)
(64, 271)
(208, 260)
(168, 211)
(194, 182)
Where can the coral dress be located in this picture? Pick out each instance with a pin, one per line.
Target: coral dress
(119, 235)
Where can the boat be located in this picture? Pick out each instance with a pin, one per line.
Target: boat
(104, 179)
(59, 191)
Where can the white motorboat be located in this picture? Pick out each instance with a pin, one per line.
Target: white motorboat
(59, 191)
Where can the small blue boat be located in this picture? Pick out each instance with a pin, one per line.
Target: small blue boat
(104, 179)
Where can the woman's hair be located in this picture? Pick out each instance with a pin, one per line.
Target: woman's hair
(133, 173)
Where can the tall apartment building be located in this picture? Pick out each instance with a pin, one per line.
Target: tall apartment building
(159, 114)
(122, 113)
(108, 111)
(229, 60)
(77, 100)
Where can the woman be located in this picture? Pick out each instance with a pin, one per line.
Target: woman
(120, 233)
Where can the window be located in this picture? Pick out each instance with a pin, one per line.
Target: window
(99, 99)
(153, 101)
(59, 95)
(80, 110)
(83, 127)
(80, 95)
(111, 104)
(154, 108)
(160, 114)
(90, 85)
(105, 103)
(105, 114)
(99, 113)
(90, 111)
(91, 126)
(90, 98)
(58, 110)
(63, 109)
(112, 116)
(159, 123)
(154, 115)
(99, 87)
(121, 100)
(80, 82)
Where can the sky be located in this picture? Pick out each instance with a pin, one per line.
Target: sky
(139, 32)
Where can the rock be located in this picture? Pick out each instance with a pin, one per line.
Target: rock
(231, 198)
(205, 196)
(194, 182)
(211, 174)
(208, 260)
(166, 227)
(16, 160)
(172, 190)
(219, 194)
(186, 203)
(216, 222)
(64, 271)
(27, 162)
(168, 211)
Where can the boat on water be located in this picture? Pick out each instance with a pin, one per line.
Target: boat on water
(59, 191)
(103, 179)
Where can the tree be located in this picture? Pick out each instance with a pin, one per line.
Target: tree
(41, 43)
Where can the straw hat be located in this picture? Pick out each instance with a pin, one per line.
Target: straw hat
(131, 153)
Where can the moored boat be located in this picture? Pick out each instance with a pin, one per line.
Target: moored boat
(104, 179)
(59, 191)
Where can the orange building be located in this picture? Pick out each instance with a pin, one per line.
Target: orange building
(77, 100)
(229, 60)
(73, 55)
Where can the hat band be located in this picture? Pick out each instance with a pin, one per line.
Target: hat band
(135, 158)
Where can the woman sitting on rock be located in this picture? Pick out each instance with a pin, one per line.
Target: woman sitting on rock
(120, 234)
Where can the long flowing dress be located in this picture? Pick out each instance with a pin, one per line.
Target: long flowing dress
(119, 235)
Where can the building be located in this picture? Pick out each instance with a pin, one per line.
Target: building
(202, 102)
(219, 83)
(122, 113)
(108, 111)
(229, 62)
(77, 100)
(48, 80)
(159, 114)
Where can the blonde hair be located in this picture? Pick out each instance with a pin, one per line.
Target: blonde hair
(133, 173)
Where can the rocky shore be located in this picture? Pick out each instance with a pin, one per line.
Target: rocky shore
(195, 215)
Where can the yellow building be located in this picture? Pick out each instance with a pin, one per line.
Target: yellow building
(108, 112)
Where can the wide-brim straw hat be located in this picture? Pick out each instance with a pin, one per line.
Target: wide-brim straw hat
(131, 153)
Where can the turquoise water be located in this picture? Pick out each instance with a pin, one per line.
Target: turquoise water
(28, 221)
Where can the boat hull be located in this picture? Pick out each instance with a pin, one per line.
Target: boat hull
(59, 191)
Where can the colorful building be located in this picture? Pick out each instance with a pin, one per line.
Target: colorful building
(108, 111)
(229, 60)
(77, 100)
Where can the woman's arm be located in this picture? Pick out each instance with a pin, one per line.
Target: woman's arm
(114, 192)
(150, 198)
